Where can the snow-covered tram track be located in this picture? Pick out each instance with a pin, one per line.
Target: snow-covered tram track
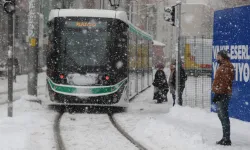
(91, 131)
(124, 133)
(91, 128)
(57, 133)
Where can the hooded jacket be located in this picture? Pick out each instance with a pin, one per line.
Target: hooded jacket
(160, 80)
(223, 79)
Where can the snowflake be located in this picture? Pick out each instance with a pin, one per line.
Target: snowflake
(119, 64)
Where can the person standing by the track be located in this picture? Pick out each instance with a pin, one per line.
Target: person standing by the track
(172, 82)
(222, 88)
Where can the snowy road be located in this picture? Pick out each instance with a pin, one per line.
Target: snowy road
(155, 126)
(30, 128)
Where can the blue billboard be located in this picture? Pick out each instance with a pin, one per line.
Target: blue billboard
(232, 33)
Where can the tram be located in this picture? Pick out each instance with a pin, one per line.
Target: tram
(96, 57)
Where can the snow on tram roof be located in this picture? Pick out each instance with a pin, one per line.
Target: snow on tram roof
(100, 13)
(157, 43)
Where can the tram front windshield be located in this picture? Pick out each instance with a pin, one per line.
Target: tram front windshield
(86, 43)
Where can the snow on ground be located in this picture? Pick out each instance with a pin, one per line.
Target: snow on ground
(19, 85)
(92, 132)
(21, 82)
(161, 126)
(31, 126)
(157, 126)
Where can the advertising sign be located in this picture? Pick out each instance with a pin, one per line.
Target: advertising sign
(232, 33)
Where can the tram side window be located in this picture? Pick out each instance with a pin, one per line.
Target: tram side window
(150, 53)
(121, 42)
(139, 53)
(145, 54)
(51, 56)
(51, 37)
(132, 51)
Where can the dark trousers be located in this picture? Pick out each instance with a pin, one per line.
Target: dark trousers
(180, 101)
(222, 111)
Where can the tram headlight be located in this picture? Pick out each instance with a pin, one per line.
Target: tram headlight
(115, 98)
(62, 76)
(104, 79)
(107, 77)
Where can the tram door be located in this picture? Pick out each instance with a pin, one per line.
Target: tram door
(139, 64)
(142, 64)
(150, 63)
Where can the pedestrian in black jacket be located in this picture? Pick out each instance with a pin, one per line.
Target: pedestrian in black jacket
(172, 82)
(161, 85)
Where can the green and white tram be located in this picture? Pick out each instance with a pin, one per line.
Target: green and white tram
(96, 57)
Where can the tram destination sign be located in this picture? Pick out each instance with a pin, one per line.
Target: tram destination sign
(86, 24)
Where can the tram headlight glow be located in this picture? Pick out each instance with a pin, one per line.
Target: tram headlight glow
(61, 76)
(107, 78)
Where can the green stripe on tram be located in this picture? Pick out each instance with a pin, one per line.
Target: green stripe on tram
(85, 90)
(108, 89)
(64, 89)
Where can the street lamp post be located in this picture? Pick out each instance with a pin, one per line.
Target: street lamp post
(114, 3)
(144, 16)
(9, 8)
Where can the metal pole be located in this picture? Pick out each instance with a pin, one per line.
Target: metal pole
(202, 54)
(178, 47)
(33, 31)
(10, 66)
(101, 4)
(10, 63)
(147, 24)
(130, 12)
(147, 18)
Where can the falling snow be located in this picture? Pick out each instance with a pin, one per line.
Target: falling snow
(87, 59)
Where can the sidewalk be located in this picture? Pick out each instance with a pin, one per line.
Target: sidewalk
(163, 127)
(19, 87)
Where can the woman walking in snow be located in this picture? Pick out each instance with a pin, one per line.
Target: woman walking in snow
(160, 84)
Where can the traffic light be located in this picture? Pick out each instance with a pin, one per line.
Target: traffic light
(170, 14)
(173, 15)
(9, 6)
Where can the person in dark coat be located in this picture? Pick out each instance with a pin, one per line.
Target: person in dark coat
(172, 82)
(161, 85)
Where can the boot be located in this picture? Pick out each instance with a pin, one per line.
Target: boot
(225, 142)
